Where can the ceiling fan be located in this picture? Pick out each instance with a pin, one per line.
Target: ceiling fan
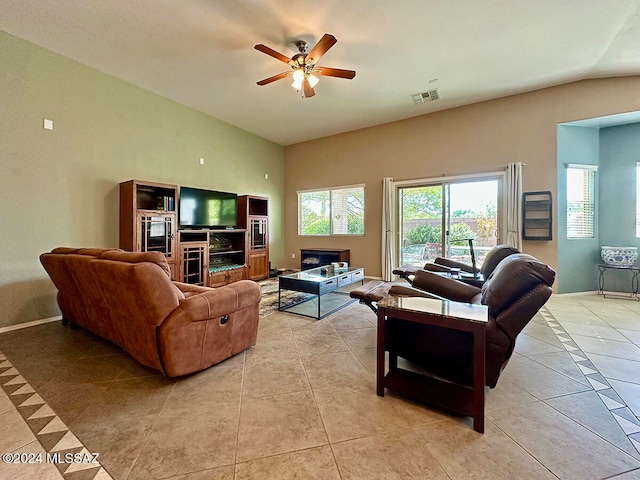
(303, 65)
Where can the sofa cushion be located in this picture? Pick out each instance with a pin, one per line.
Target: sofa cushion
(138, 257)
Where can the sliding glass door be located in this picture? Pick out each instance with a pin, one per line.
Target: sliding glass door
(437, 220)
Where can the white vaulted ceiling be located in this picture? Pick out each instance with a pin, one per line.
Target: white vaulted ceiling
(200, 52)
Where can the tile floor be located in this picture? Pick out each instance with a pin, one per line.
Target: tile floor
(302, 404)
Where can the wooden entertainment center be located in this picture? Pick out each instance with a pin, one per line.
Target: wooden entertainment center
(208, 257)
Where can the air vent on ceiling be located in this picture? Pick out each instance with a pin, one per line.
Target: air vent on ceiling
(423, 97)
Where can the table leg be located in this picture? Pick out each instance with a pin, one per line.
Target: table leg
(479, 376)
(279, 290)
(601, 281)
(380, 355)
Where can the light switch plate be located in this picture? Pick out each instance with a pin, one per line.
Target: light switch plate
(48, 124)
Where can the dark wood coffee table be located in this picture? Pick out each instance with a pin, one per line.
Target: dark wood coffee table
(441, 393)
(318, 281)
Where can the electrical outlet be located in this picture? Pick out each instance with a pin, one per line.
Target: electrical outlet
(293, 255)
(201, 161)
(266, 176)
(48, 124)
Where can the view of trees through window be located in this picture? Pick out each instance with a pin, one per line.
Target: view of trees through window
(469, 210)
(332, 212)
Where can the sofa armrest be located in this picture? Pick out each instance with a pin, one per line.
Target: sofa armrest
(217, 302)
(190, 288)
(445, 287)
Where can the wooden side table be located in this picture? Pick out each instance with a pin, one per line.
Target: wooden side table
(447, 395)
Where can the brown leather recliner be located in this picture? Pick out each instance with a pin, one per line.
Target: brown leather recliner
(515, 291)
(467, 273)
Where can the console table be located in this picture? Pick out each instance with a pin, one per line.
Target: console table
(634, 282)
(441, 393)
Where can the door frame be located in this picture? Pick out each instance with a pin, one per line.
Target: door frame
(500, 176)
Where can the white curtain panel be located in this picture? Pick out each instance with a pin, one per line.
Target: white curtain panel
(513, 191)
(388, 229)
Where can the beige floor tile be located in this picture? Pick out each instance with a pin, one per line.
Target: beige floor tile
(625, 350)
(318, 338)
(597, 331)
(30, 471)
(462, 453)
(633, 335)
(630, 393)
(355, 412)
(221, 473)
(526, 345)
(587, 318)
(627, 322)
(312, 464)
(6, 405)
(566, 448)
(633, 475)
(118, 440)
(70, 401)
(15, 432)
(348, 319)
(544, 333)
(387, 457)
(506, 394)
(184, 441)
(217, 384)
(368, 359)
(588, 410)
(331, 369)
(267, 375)
(278, 424)
(616, 368)
(129, 398)
(360, 338)
(562, 363)
(540, 381)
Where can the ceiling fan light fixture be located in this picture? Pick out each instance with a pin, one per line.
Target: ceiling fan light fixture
(313, 80)
(298, 77)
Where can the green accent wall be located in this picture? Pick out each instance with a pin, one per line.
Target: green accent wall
(577, 258)
(60, 187)
(619, 152)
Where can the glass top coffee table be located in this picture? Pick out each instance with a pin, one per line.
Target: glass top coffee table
(319, 282)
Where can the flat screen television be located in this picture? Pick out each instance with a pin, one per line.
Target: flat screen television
(201, 208)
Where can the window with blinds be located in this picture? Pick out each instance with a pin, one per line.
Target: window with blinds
(581, 202)
(339, 211)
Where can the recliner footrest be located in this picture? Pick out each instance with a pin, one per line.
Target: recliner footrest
(371, 292)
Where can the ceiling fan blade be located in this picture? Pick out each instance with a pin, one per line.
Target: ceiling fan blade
(334, 72)
(307, 89)
(271, 52)
(325, 43)
(266, 81)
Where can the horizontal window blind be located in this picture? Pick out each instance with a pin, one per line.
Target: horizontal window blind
(581, 201)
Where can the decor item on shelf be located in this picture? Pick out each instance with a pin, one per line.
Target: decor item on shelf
(619, 256)
(303, 65)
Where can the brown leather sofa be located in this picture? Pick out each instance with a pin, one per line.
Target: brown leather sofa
(466, 271)
(515, 291)
(129, 299)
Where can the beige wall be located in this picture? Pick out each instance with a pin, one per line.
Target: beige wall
(473, 139)
(60, 187)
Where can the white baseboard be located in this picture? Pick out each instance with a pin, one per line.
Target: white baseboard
(11, 328)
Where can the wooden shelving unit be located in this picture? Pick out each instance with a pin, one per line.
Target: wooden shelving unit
(148, 220)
